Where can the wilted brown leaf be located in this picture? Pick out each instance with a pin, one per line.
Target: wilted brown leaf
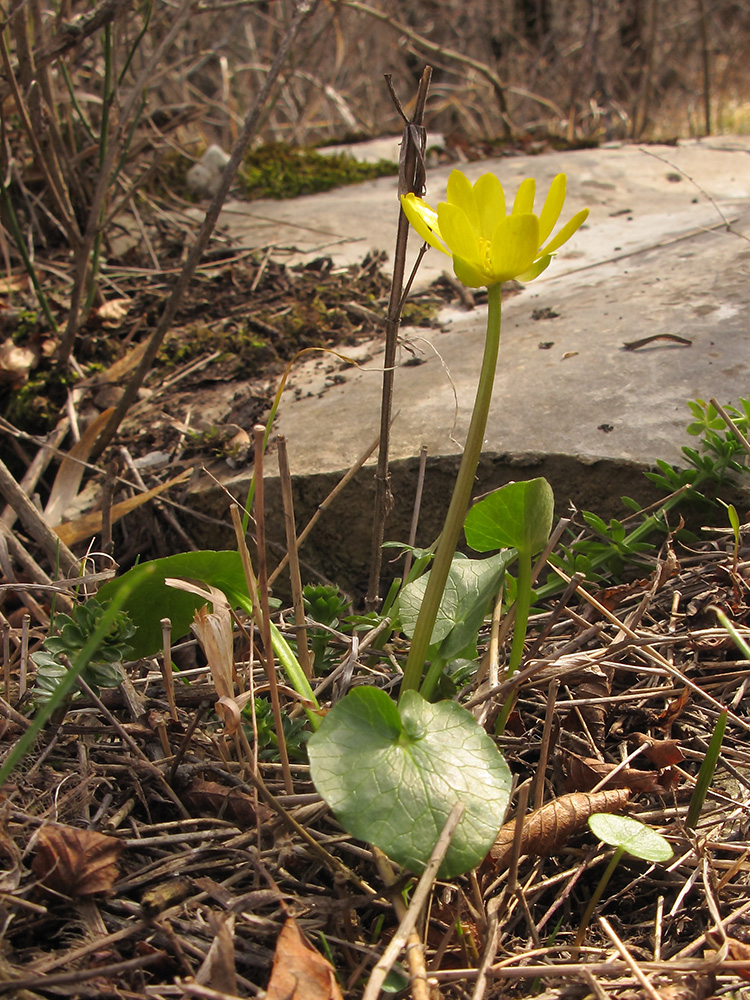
(230, 803)
(76, 862)
(300, 972)
(113, 312)
(69, 475)
(15, 363)
(218, 970)
(586, 772)
(85, 527)
(661, 753)
(664, 720)
(590, 680)
(547, 829)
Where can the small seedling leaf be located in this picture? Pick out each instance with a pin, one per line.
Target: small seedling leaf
(518, 516)
(631, 835)
(392, 775)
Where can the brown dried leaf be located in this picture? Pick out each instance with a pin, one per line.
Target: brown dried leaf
(661, 753)
(113, 312)
(76, 862)
(740, 952)
(69, 475)
(547, 829)
(230, 803)
(590, 681)
(586, 772)
(664, 720)
(15, 363)
(85, 527)
(218, 970)
(300, 972)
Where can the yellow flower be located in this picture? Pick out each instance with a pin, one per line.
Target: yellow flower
(487, 245)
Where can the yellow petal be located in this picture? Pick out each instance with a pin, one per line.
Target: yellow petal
(490, 199)
(461, 193)
(553, 204)
(524, 202)
(424, 219)
(567, 231)
(458, 233)
(468, 274)
(515, 243)
(536, 268)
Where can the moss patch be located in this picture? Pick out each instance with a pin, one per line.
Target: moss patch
(281, 171)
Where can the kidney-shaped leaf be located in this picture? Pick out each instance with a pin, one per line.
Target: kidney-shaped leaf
(392, 775)
(518, 515)
(152, 600)
(631, 835)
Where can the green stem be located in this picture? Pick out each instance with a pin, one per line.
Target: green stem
(597, 895)
(523, 604)
(454, 519)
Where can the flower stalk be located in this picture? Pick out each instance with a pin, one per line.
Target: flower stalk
(454, 519)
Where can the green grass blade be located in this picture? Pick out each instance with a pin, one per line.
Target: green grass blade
(706, 773)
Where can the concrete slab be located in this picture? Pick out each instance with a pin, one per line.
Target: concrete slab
(655, 258)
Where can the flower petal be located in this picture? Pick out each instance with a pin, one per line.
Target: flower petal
(490, 199)
(461, 193)
(468, 274)
(536, 268)
(459, 234)
(524, 203)
(515, 245)
(424, 219)
(553, 204)
(567, 231)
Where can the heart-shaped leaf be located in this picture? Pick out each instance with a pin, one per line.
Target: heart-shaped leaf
(630, 835)
(518, 515)
(470, 586)
(151, 600)
(392, 775)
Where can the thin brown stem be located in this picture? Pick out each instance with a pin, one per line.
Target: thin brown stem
(410, 173)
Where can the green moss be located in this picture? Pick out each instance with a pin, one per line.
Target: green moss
(416, 313)
(281, 171)
(35, 407)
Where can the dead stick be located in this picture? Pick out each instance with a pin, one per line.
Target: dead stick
(322, 507)
(411, 177)
(259, 433)
(56, 550)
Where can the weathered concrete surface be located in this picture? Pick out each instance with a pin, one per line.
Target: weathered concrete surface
(654, 259)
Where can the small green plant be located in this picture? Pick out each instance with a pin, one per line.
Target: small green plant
(325, 604)
(295, 733)
(628, 836)
(367, 746)
(517, 516)
(104, 668)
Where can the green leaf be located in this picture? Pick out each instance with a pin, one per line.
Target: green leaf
(471, 585)
(392, 775)
(631, 835)
(151, 600)
(518, 516)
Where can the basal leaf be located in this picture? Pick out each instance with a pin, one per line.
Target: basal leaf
(518, 516)
(392, 774)
(152, 600)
